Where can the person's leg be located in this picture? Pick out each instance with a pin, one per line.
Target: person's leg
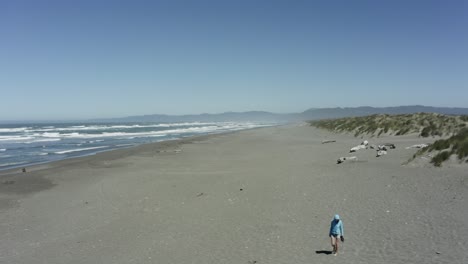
(337, 239)
(333, 243)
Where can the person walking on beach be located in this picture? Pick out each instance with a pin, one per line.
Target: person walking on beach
(336, 233)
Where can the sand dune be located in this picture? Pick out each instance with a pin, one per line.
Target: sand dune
(257, 196)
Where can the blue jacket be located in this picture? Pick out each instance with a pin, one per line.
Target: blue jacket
(336, 228)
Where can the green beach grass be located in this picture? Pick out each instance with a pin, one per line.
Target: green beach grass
(425, 124)
(445, 148)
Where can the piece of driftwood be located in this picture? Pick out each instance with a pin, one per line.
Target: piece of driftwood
(381, 153)
(418, 146)
(343, 159)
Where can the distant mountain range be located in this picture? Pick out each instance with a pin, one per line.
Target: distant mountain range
(310, 114)
(324, 113)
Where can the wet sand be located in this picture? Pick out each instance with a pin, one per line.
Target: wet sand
(256, 196)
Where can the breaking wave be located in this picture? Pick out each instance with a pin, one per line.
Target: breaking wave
(77, 150)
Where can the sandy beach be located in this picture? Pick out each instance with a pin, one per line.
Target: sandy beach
(255, 196)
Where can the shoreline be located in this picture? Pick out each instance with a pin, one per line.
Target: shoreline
(34, 144)
(49, 164)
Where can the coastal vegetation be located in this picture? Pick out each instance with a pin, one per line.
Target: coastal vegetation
(424, 124)
(445, 148)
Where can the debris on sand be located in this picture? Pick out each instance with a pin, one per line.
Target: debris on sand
(343, 159)
(364, 145)
(381, 153)
(390, 145)
(418, 146)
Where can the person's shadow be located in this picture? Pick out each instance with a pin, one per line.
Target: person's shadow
(326, 252)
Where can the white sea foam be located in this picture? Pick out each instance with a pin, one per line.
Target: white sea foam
(49, 135)
(2, 149)
(12, 163)
(125, 145)
(103, 135)
(57, 134)
(76, 150)
(15, 138)
(160, 133)
(110, 127)
(12, 130)
(97, 140)
(43, 140)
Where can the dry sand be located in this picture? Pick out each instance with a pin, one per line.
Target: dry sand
(258, 196)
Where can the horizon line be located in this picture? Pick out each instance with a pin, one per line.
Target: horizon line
(219, 113)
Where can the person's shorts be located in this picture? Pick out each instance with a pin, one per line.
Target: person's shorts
(336, 235)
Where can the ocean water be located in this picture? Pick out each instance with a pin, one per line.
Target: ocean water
(26, 144)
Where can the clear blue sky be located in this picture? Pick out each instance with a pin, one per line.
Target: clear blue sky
(85, 59)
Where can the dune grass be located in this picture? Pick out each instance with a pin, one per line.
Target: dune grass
(425, 124)
(455, 145)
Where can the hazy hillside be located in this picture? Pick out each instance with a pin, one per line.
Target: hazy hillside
(311, 114)
(228, 116)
